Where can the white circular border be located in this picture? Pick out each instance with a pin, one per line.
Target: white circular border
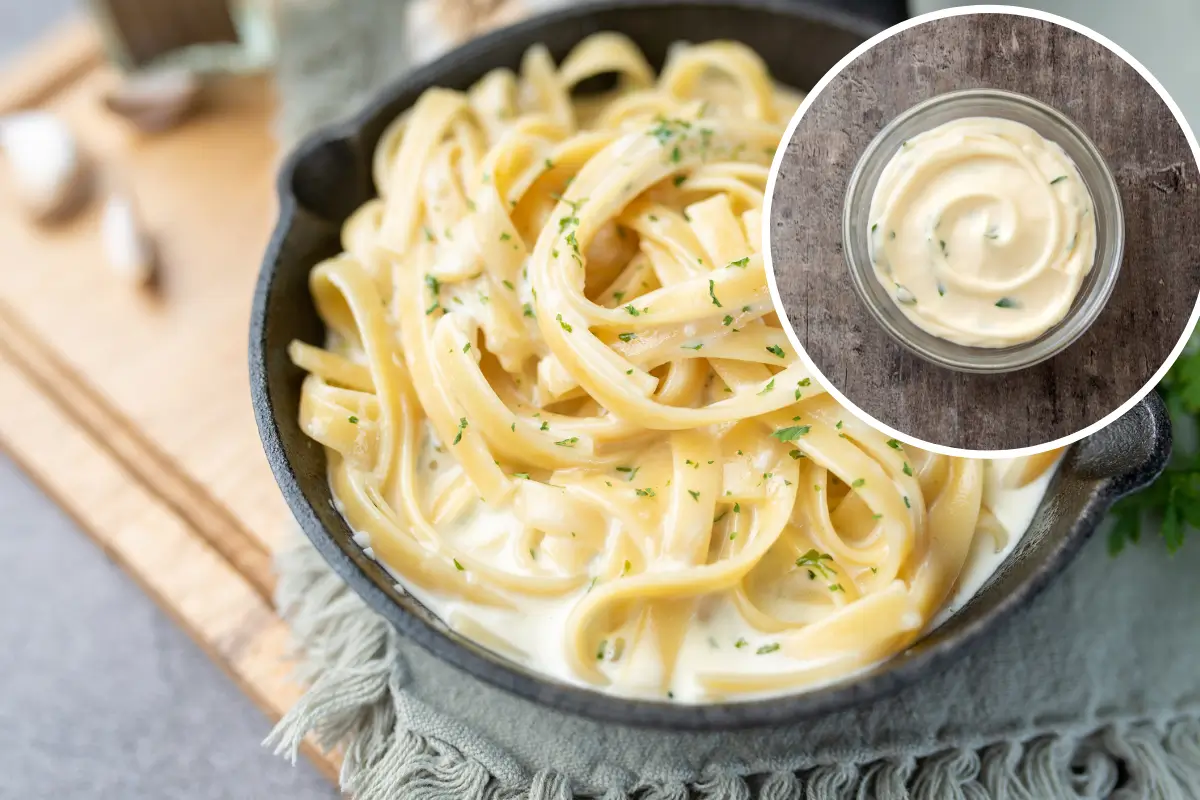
(770, 192)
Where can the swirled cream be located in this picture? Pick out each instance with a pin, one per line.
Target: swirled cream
(982, 232)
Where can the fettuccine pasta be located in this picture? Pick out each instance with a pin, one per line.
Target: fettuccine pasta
(558, 406)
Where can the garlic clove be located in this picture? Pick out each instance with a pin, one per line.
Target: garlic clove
(127, 247)
(155, 101)
(50, 171)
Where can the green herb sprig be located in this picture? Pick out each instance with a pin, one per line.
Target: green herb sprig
(1171, 504)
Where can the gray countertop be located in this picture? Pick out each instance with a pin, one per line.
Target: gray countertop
(103, 696)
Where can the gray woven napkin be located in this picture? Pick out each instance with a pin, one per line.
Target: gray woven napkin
(1091, 691)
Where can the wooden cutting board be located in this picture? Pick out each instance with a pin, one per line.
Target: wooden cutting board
(132, 409)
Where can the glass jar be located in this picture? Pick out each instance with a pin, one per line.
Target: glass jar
(1051, 125)
(201, 36)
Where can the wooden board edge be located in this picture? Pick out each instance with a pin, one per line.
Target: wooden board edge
(247, 642)
(89, 410)
(69, 50)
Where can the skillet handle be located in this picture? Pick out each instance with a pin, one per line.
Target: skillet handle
(882, 12)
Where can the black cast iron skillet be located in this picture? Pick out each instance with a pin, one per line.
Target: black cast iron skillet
(328, 176)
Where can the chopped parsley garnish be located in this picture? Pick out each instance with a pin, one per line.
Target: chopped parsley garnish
(522, 475)
(679, 179)
(1006, 302)
(504, 237)
(875, 227)
(627, 337)
(692, 346)
(907, 469)
(895, 445)
(618, 296)
(776, 350)
(796, 455)
(647, 492)
(666, 129)
(858, 482)
(814, 562)
(1059, 179)
(567, 442)
(727, 321)
(741, 262)
(633, 312)
(906, 503)
(528, 309)
(767, 648)
(545, 426)
(353, 419)
(836, 587)
(458, 566)
(428, 234)
(433, 283)
(462, 425)
(791, 434)
(740, 643)
(566, 326)
(508, 284)
(770, 385)
(712, 294)
(625, 569)
(695, 495)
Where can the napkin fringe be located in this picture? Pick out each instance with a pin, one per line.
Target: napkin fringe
(356, 700)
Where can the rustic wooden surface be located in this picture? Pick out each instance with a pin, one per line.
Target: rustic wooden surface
(1160, 189)
(132, 410)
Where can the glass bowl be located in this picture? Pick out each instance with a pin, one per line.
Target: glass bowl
(1097, 178)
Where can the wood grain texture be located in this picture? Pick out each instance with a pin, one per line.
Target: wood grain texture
(130, 409)
(1160, 188)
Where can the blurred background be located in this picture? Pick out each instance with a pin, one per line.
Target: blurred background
(103, 693)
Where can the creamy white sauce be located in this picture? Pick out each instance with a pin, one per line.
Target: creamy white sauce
(718, 638)
(982, 232)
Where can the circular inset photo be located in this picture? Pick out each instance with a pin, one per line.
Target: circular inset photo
(984, 231)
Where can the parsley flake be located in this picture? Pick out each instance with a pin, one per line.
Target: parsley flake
(792, 433)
